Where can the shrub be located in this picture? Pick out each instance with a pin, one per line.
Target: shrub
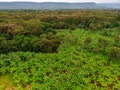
(117, 41)
(103, 43)
(115, 53)
(87, 41)
(72, 26)
(96, 49)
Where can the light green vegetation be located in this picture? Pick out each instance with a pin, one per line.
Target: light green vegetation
(72, 67)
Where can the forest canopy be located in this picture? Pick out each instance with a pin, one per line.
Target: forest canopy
(27, 30)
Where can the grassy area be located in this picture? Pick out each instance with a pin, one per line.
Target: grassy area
(6, 83)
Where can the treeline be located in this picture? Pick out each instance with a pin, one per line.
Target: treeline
(30, 30)
(63, 19)
(45, 43)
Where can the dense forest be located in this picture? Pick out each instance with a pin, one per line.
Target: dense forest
(59, 50)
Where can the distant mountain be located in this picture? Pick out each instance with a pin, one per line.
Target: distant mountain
(49, 5)
(111, 5)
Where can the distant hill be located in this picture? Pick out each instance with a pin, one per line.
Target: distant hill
(49, 5)
(110, 5)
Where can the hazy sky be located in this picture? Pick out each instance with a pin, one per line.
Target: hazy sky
(97, 1)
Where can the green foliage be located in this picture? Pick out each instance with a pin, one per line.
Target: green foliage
(72, 27)
(115, 53)
(118, 17)
(87, 41)
(117, 41)
(103, 43)
(43, 53)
